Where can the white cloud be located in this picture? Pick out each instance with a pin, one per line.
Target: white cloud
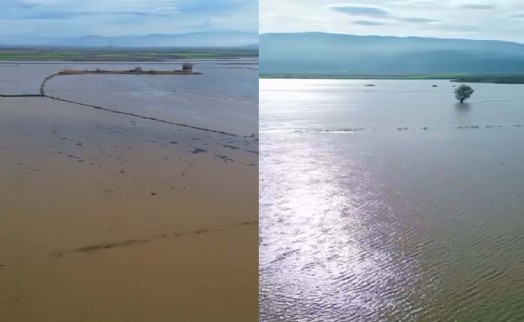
(431, 18)
(124, 17)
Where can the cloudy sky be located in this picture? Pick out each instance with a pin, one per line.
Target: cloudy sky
(125, 17)
(475, 19)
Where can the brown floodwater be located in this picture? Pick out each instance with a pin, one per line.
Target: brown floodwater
(110, 217)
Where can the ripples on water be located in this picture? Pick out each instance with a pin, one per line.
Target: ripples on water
(388, 225)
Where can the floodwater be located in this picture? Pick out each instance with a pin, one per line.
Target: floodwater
(224, 97)
(390, 202)
(112, 217)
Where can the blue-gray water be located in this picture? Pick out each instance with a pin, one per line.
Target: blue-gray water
(391, 203)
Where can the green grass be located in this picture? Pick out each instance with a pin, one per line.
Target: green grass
(463, 78)
(328, 76)
(495, 79)
(110, 54)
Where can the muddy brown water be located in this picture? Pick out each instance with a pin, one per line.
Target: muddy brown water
(109, 217)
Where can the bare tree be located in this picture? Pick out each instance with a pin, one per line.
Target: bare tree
(463, 92)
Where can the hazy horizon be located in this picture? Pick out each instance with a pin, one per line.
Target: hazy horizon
(182, 40)
(67, 19)
(388, 36)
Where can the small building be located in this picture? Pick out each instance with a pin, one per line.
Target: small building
(187, 67)
(137, 70)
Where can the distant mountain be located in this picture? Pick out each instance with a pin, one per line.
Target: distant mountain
(202, 39)
(339, 54)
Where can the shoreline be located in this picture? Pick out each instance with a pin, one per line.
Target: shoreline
(458, 78)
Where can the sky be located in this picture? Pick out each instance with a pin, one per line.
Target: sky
(469, 19)
(66, 18)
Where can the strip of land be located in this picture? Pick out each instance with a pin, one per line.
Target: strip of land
(122, 55)
(128, 72)
(462, 78)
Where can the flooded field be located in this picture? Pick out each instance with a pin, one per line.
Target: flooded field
(224, 97)
(390, 202)
(106, 216)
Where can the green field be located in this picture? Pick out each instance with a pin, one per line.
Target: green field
(495, 79)
(462, 78)
(111, 54)
(343, 76)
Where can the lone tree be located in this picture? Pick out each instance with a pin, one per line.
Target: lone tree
(463, 92)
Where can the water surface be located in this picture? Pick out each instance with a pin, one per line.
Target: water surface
(391, 202)
(224, 97)
(109, 217)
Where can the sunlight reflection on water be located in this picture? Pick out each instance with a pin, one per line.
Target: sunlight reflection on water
(388, 225)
